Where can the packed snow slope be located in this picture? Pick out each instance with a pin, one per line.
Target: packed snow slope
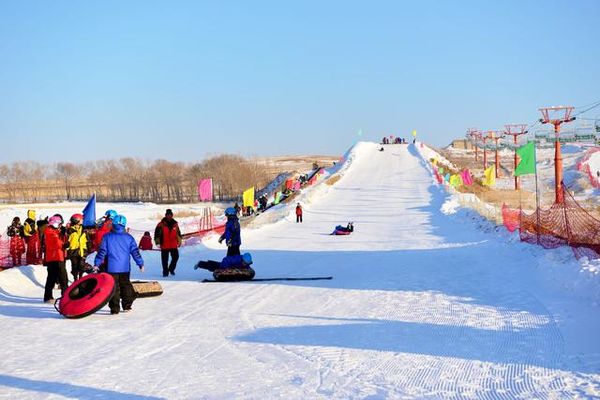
(422, 305)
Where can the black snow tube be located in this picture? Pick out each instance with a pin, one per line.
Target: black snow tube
(233, 274)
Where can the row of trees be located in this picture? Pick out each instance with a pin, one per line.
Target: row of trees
(129, 179)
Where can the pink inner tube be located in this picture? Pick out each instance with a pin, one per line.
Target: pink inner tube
(86, 295)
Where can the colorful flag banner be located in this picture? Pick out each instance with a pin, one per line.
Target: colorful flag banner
(490, 176)
(248, 197)
(89, 213)
(205, 189)
(527, 164)
(466, 177)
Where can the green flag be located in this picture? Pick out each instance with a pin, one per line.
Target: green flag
(527, 164)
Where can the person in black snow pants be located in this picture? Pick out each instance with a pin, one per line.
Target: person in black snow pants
(232, 235)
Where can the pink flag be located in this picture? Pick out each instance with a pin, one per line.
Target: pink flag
(205, 189)
(466, 177)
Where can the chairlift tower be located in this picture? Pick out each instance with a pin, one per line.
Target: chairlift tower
(475, 136)
(557, 116)
(496, 138)
(515, 130)
(488, 135)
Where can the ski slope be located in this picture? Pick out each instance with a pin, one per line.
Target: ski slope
(422, 305)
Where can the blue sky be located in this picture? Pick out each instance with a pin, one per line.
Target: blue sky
(185, 79)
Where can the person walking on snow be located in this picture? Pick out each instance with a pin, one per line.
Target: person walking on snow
(116, 248)
(17, 245)
(232, 234)
(55, 243)
(168, 238)
(298, 213)
(32, 239)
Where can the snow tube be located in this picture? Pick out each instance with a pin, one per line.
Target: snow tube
(147, 288)
(341, 232)
(233, 274)
(86, 295)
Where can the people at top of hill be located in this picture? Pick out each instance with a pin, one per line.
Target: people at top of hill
(167, 237)
(146, 242)
(17, 244)
(55, 243)
(79, 245)
(30, 233)
(116, 249)
(232, 234)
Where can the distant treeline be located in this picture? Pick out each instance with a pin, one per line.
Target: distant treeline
(129, 179)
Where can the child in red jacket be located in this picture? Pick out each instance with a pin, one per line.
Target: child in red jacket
(298, 213)
(146, 241)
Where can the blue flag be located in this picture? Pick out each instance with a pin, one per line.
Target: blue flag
(89, 213)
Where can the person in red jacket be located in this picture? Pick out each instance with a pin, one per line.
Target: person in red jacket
(146, 241)
(298, 213)
(104, 228)
(55, 242)
(168, 238)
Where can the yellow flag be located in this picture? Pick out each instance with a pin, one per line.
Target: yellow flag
(415, 133)
(490, 176)
(249, 197)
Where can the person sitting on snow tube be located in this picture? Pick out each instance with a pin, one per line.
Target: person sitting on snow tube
(231, 268)
(341, 230)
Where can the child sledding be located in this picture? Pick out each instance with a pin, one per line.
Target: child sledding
(230, 269)
(344, 230)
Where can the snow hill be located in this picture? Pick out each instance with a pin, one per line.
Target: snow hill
(422, 305)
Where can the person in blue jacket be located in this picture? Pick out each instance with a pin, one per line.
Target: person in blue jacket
(239, 261)
(116, 248)
(232, 235)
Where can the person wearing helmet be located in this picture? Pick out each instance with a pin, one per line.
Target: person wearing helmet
(78, 246)
(54, 256)
(104, 227)
(240, 262)
(115, 250)
(168, 238)
(232, 234)
(31, 236)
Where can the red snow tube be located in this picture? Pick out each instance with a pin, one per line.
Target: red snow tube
(86, 295)
(233, 274)
(338, 232)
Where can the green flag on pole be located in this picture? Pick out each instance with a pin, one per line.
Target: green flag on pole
(527, 164)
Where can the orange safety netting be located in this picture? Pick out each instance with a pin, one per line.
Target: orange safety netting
(562, 224)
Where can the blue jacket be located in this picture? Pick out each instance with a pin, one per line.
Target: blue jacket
(117, 246)
(233, 262)
(232, 232)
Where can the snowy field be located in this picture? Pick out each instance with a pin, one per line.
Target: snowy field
(422, 305)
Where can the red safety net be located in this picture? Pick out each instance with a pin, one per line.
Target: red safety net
(563, 224)
(584, 167)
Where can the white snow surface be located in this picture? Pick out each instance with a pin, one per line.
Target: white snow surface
(423, 304)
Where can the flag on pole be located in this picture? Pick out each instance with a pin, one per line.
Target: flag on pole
(205, 189)
(248, 197)
(89, 213)
(490, 176)
(527, 155)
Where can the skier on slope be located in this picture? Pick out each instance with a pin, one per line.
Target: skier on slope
(232, 234)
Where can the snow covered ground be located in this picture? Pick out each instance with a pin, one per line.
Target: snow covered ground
(422, 305)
